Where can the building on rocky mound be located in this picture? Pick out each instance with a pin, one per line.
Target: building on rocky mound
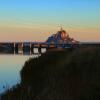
(61, 37)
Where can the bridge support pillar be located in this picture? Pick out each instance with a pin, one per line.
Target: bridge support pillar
(16, 48)
(31, 48)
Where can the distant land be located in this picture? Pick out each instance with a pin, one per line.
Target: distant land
(61, 39)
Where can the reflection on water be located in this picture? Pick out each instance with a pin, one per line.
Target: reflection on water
(10, 66)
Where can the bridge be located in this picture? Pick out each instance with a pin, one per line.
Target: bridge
(39, 47)
(30, 47)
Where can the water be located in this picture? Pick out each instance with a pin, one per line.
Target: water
(10, 67)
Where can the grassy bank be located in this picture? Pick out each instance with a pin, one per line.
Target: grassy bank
(60, 75)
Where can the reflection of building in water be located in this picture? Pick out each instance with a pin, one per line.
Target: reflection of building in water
(61, 37)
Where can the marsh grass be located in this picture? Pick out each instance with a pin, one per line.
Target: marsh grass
(59, 75)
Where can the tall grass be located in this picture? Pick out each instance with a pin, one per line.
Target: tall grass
(59, 75)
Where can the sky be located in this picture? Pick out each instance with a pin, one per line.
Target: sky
(35, 20)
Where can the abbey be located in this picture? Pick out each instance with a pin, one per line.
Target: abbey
(61, 37)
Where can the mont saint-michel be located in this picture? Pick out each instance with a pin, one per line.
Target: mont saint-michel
(60, 40)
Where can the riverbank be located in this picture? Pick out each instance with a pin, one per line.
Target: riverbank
(59, 75)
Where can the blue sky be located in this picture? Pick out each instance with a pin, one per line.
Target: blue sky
(75, 15)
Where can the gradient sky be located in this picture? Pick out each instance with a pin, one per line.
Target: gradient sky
(35, 20)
